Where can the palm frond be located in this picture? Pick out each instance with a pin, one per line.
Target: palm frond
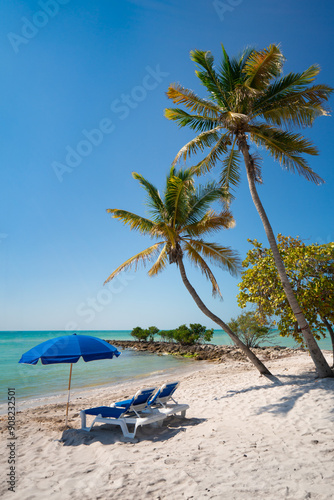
(199, 262)
(224, 257)
(181, 95)
(154, 201)
(295, 108)
(165, 230)
(201, 200)
(176, 198)
(211, 222)
(214, 155)
(209, 77)
(160, 263)
(199, 143)
(243, 58)
(230, 172)
(286, 148)
(262, 66)
(230, 72)
(299, 103)
(140, 258)
(135, 222)
(290, 83)
(292, 114)
(196, 122)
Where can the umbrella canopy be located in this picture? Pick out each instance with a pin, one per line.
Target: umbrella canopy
(69, 349)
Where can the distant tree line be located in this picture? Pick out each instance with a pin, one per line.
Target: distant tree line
(195, 333)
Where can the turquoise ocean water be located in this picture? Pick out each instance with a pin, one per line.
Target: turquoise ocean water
(31, 382)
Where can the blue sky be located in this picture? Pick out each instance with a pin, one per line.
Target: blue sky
(83, 92)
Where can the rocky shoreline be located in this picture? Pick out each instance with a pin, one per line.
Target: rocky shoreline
(208, 352)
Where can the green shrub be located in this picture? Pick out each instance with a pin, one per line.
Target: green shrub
(144, 335)
(194, 335)
(248, 328)
(167, 335)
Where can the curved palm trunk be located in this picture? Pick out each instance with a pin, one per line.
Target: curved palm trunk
(319, 360)
(250, 355)
(331, 333)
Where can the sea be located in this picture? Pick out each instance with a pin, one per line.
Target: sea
(35, 382)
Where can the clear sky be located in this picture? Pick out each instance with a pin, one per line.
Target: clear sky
(82, 98)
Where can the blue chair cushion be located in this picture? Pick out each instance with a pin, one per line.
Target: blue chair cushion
(106, 411)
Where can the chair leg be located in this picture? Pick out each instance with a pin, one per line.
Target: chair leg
(83, 420)
(125, 430)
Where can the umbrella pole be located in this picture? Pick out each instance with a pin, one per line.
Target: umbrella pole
(68, 398)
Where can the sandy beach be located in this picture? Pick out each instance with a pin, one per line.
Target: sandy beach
(245, 436)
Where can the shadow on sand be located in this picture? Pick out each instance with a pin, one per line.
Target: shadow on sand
(300, 385)
(110, 434)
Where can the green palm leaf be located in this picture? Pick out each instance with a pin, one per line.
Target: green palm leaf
(215, 154)
(155, 202)
(201, 200)
(199, 262)
(181, 95)
(196, 122)
(199, 143)
(291, 83)
(175, 199)
(210, 223)
(230, 71)
(209, 77)
(230, 173)
(224, 257)
(160, 263)
(135, 222)
(140, 258)
(262, 66)
(286, 148)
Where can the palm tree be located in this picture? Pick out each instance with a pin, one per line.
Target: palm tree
(179, 219)
(250, 103)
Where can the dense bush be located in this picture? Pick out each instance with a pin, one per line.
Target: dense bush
(250, 330)
(195, 334)
(145, 335)
(167, 335)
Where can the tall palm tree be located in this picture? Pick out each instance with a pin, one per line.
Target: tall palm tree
(250, 103)
(178, 220)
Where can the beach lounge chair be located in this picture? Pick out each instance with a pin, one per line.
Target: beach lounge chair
(143, 409)
(161, 401)
(125, 413)
(117, 416)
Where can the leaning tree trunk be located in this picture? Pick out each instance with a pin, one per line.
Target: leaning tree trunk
(250, 355)
(319, 360)
(331, 333)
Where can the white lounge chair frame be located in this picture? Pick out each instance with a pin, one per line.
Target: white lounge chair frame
(124, 422)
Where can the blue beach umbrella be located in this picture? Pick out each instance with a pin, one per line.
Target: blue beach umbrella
(69, 349)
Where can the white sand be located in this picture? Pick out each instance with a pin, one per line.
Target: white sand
(244, 437)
